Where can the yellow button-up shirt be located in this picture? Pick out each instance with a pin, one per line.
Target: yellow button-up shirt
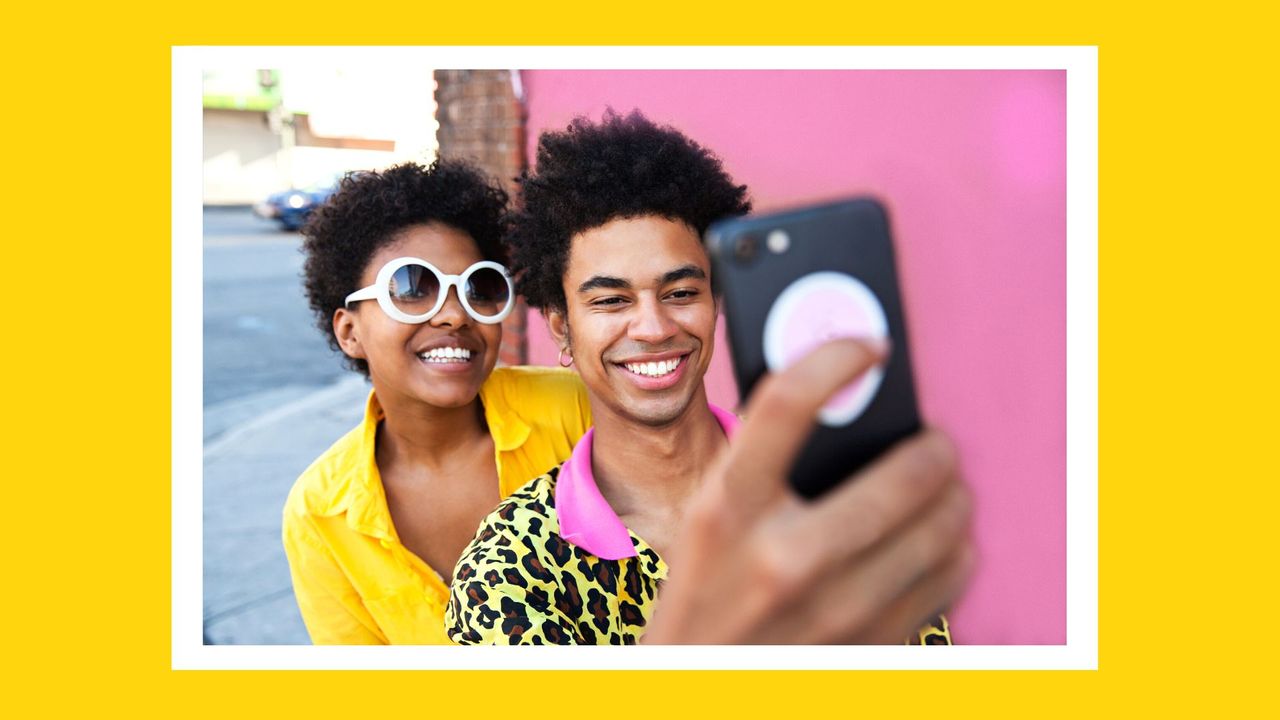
(354, 580)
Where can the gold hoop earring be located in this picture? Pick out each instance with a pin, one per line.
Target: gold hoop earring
(560, 359)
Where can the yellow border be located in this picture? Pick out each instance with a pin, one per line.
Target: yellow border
(1187, 167)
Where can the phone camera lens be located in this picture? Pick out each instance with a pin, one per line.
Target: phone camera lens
(745, 248)
(778, 241)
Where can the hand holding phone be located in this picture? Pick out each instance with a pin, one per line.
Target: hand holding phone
(870, 562)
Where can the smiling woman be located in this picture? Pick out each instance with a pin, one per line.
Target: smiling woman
(404, 274)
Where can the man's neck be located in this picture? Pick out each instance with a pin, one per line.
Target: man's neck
(641, 469)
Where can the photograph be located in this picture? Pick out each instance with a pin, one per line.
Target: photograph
(721, 357)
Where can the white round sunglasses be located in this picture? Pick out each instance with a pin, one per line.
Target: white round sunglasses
(411, 290)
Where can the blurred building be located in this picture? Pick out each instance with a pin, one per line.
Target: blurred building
(267, 130)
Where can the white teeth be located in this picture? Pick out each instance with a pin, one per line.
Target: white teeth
(446, 354)
(654, 369)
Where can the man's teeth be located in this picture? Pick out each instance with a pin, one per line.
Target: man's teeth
(653, 369)
(446, 355)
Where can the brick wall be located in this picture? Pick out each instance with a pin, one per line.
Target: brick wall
(481, 120)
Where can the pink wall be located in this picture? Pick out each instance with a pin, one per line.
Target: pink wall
(973, 168)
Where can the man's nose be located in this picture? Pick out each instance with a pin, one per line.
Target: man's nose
(652, 323)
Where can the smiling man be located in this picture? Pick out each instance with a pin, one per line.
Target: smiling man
(608, 245)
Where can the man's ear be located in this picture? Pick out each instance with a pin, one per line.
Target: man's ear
(345, 328)
(558, 324)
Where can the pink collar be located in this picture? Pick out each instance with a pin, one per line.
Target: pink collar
(586, 519)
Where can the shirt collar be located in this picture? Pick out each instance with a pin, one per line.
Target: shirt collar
(365, 500)
(586, 518)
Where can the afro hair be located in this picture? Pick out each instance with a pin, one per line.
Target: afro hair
(370, 208)
(591, 174)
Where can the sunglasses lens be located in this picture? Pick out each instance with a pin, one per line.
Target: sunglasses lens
(414, 289)
(487, 291)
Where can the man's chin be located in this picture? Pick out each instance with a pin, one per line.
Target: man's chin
(658, 414)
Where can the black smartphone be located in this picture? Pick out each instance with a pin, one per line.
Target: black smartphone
(795, 279)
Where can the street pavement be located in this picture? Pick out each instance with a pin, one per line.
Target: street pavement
(248, 471)
(275, 397)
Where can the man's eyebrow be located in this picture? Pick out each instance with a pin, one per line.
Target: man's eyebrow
(687, 272)
(604, 281)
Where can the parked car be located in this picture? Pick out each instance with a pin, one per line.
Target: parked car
(291, 207)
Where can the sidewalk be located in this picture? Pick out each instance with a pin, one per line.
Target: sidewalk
(254, 449)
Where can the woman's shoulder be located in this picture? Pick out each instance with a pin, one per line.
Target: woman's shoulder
(323, 486)
(532, 390)
(536, 378)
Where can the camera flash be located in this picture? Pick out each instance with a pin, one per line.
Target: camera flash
(778, 242)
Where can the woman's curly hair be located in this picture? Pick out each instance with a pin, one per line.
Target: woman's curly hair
(590, 174)
(370, 208)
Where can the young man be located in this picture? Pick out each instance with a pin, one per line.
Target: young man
(608, 246)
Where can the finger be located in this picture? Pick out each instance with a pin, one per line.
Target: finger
(854, 599)
(780, 415)
(923, 602)
(869, 506)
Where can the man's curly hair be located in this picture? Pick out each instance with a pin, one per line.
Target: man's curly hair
(591, 174)
(370, 208)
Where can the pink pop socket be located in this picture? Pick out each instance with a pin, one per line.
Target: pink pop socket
(817, 308)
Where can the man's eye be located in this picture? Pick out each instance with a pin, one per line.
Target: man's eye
(683, 294)
(605, 302)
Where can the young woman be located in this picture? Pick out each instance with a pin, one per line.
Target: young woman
(404, 272)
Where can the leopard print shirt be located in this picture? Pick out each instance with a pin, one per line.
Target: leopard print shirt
(520, 583)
